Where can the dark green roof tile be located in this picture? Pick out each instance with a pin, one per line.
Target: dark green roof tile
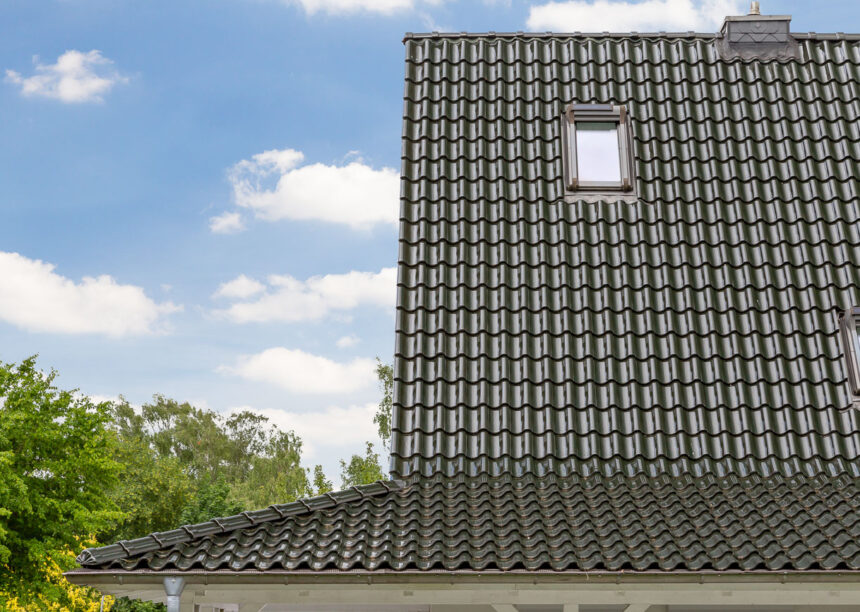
(571, 523)
(697, 321)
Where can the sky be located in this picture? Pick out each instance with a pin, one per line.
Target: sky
(200, 199)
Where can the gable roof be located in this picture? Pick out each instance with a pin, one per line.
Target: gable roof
(648, 383)
(693, 326)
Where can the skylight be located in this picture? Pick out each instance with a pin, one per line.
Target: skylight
(849, 324)
(596, 147)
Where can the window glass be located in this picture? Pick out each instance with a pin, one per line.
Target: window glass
(597, 155)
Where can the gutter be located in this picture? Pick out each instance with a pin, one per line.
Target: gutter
(255, 577)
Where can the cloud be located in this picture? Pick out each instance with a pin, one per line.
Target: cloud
(240, 287)
(289, 299)
(343, 430)
(347, 341)
(275, 186)
(346, 7)
(99, 399)
(302, 372)
(226, 223)
(34, 297)
(615, 16)
(76, 77)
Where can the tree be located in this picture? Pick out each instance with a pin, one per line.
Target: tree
(215, 464)
(57, 457)
(321, 483)
(152, 492)
(385, 375)
(275, 474)
(361, 470)
(211, 500)
(186, 465)
(55, 593)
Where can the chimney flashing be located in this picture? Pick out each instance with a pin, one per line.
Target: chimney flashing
(757, 37)
(757, 18)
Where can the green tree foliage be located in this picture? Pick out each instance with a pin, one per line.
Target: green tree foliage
(361, 470)
(211, 500)
(57, 457)
(276, 475)
(321, 483)
(213, 465)
(186, 465)
(71, 469)
(135, 605)
(382, 418)
(152, 492)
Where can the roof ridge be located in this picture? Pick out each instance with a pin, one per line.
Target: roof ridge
(663, 34)
(185, 533)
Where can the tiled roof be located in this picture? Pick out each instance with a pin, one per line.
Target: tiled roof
(572, 523)
(536, 331)
(635, 383)
(132, 552)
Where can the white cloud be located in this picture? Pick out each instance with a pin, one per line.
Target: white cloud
(36, 298)
(341, 430)
(347, 341)
(76, 77)
(289, 299)
(615, 16)
(226, 223)
(274, 185)
(301, 372)
(240, 287)
(99, 399)
(342, 7)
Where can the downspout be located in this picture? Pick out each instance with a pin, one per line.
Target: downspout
(173, 587)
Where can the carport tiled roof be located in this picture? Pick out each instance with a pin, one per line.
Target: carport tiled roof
(573, 523)
(645, 382)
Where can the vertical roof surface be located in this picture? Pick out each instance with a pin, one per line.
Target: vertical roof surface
(690, 328)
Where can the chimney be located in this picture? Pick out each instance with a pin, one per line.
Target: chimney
(757, 37)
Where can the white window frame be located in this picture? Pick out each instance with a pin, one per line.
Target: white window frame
(596, 113)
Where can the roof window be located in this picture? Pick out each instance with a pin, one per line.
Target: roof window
(849, 326)
(597, 153)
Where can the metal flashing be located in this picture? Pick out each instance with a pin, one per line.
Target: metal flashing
(758, 37)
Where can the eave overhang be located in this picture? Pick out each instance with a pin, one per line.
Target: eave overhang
(729, 588)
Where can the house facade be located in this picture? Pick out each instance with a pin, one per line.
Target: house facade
(627, 356)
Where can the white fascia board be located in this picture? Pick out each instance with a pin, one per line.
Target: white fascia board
(791, 590)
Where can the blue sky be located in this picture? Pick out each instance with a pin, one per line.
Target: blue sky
(199, 198)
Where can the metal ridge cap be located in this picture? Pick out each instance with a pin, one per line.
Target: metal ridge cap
(520, 34)
(549, 35)
(185, 533)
